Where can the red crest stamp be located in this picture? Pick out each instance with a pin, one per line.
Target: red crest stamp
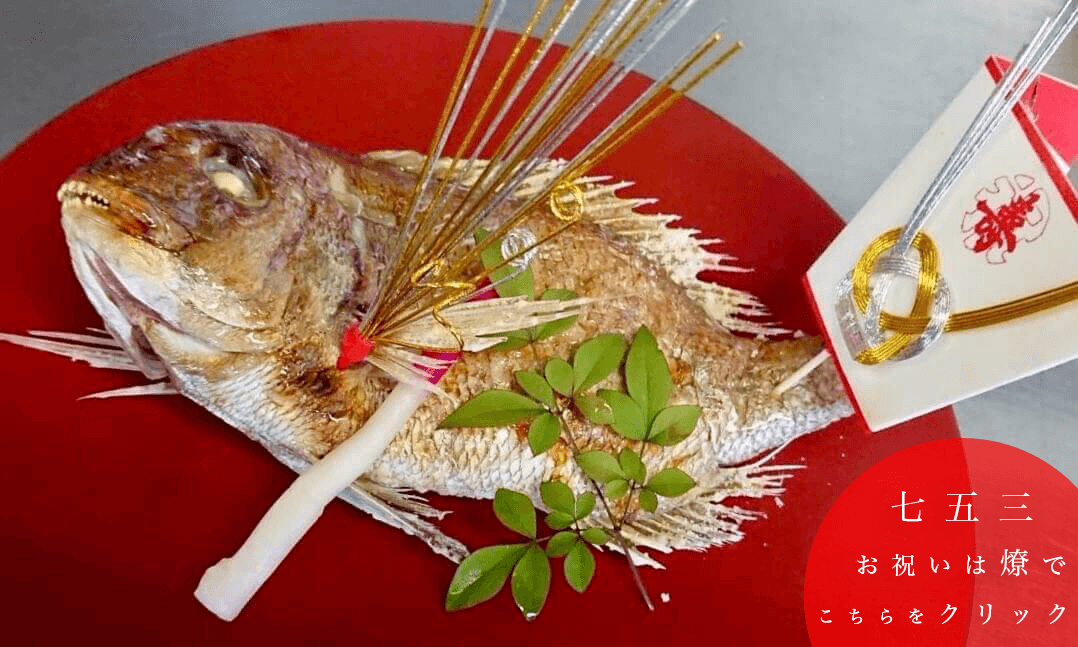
(1013, 209)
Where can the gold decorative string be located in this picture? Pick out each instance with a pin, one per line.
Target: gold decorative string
(434, 272)
(575, 196)
(431, 267)
(992, 315)
(907, 329)
(926, 287)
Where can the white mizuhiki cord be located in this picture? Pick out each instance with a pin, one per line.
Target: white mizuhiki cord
(1026, 68)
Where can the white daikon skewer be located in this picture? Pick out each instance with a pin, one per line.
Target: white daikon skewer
(227, 586)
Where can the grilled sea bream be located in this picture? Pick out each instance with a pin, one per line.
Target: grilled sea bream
(230, 258)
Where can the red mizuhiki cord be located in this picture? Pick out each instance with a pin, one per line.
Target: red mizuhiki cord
(355, 347)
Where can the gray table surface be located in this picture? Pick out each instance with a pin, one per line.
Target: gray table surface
(838, 89)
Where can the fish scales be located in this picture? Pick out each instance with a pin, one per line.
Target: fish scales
(235, 255)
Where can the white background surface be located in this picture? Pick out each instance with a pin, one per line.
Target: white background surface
(839, 89)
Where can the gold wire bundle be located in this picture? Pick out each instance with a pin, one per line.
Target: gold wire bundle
(433, 266)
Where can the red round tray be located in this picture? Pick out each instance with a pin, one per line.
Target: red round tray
(114, 508)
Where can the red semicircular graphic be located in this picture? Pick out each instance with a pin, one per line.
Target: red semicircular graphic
(955, 542)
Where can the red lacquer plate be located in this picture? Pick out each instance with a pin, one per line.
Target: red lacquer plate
(113, 509)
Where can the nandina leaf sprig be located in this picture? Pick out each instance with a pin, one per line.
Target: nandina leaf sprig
(483, 573)
(556, 403)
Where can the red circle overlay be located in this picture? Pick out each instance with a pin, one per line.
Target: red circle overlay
(114, 508)
(875, 569)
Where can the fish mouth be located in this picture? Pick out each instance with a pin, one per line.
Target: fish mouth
(75, 192)
(87, 228)
(145, 292)
(119, 208)
(93, 215)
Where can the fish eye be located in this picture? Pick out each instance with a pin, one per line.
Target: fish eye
(236, 174)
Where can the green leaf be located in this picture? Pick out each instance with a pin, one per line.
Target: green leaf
(599, 465)
(579, 567)
(535, 385)
(617, 488)
(522, 284)
(558, 294)
(481, 575)
(560, 543)
(559, 375)
(674, 424)
(596, 536)
(514, 339)
(543, 433)
(648, 500)
(595, 359)
(557, 496)
(531, 582)
(594, 408)
(559, 520)
(671, 482)
(493, 409)
(647, 376)
(632, 465)
(515, 511)
(558, 326)
(628, 416)
(585, 503)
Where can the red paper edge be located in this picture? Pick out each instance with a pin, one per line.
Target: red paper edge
(1038, 141)
(834, 356)
(1052, 101)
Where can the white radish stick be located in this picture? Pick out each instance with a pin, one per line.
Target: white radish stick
(226, 587)
(801, 373)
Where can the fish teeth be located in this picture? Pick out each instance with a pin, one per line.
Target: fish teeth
(76, 191)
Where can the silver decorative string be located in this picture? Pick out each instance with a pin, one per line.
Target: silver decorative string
(519, 241)
(1026, 68)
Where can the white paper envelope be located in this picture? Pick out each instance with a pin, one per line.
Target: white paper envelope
(1007, 230)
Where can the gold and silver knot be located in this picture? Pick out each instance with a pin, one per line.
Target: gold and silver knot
(862, 293)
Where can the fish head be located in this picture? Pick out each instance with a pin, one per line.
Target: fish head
(189, 240)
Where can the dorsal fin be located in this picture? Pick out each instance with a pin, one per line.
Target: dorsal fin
(676, 250)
